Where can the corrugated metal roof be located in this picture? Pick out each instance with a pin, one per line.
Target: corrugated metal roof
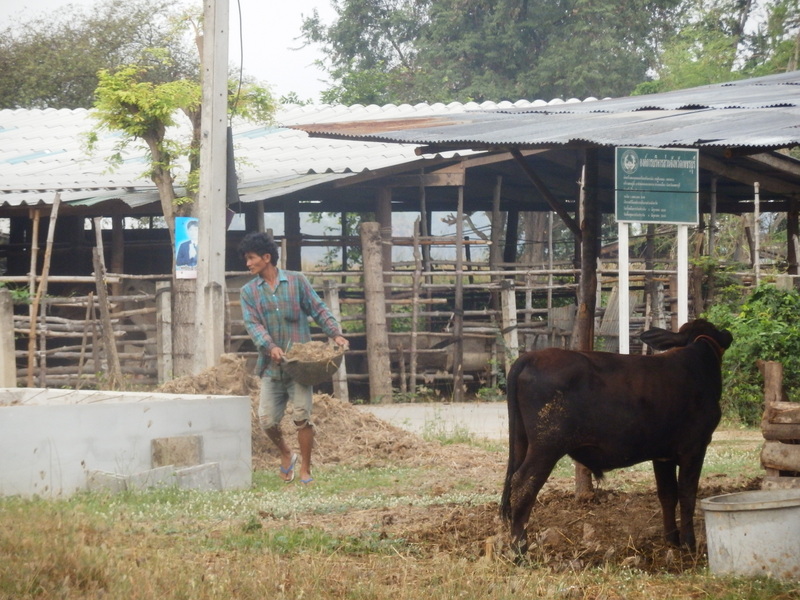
(43, 152)
(756, 113)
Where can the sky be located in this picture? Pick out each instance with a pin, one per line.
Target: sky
(269, 29)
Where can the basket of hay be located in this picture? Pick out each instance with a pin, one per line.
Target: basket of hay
(313, 362)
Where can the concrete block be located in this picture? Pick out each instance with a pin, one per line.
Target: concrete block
(179, 451)
(160, 477)
(51, 438)
(103, 481)
(205, 477)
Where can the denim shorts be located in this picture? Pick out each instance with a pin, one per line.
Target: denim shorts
(276, 393)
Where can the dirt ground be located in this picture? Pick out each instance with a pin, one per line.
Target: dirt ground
(620, 526)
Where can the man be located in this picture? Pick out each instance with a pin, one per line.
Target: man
(187, 251)
(276, 306)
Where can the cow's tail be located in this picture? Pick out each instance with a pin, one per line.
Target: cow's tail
(516, 435)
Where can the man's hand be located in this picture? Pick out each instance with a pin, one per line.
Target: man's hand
(341, 341)
(276, 354)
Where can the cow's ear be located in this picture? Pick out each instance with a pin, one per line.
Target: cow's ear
(662, 339)
(725, 338)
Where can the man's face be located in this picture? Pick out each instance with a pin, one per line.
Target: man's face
(256, 263)
(193, 233)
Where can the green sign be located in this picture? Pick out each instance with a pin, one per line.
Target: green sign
(657, 185)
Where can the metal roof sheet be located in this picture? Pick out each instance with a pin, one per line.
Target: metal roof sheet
(757, 113)
(43, 152)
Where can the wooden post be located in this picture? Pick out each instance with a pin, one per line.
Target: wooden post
(495, 236)
(331, 293)
(89, 317)
(41, 289)
(712, 220)
(780, 426)
(590, 246)
(37, 216)
(253, 216)
(792, 236)
(164, 331)
(380, 377)
(345, 236)
(424, 222)
(8, 362)
(458, 305)
(117, 251)
(415, 292)
(512, 236)
(509, 322)
(583, 338)
(110, 344)
(292, 253)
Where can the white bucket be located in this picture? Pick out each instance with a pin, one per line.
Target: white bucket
(754, 533)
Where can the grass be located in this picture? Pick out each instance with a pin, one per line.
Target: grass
(258, 543)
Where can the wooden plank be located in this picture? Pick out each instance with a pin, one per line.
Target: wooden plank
(780, 456)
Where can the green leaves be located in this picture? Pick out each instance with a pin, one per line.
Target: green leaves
(464, 50)
(765, 327)
(52, 60)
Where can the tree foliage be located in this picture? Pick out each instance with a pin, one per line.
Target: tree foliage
(141, 109)
(380, 51)
(53, 60)
(764, 327)
(445, 50)
(724, 40)
(128, 101)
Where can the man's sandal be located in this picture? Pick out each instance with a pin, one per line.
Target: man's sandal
(290, 469)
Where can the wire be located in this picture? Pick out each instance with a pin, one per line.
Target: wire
(241, 65)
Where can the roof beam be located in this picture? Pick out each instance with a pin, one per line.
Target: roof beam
(557, 207)
(778, 162)
(746, 176)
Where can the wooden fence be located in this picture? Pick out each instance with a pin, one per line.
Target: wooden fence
(503, 312)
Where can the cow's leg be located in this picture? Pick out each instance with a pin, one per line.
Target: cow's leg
(525, 485)
(688, 480)
(667, 486)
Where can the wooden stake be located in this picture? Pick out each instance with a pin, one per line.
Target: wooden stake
(42, 287)
(109, 343)
(89, 315)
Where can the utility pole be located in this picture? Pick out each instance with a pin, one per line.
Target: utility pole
(210, 305)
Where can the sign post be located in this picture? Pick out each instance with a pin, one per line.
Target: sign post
(655, 185)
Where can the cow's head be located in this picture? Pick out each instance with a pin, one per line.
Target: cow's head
(661, 339)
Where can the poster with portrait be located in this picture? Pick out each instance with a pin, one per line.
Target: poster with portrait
(187, 232)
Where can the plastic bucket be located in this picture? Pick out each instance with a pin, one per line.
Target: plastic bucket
(754, 533)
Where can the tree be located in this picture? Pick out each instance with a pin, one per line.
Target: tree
(128, 101)
(445, 50)
(143, 110)
(724, 40)
(53, 60)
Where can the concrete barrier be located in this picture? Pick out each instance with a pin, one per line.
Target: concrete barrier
(52, 440)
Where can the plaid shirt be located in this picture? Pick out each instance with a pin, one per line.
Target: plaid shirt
(279, 317)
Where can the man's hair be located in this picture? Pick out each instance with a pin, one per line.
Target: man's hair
(261, 244)
(192, 223)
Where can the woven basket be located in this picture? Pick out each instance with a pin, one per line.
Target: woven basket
(313, 372)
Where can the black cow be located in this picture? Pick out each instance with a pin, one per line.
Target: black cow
(608, 411)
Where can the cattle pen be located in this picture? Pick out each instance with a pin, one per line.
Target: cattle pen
(449, 327)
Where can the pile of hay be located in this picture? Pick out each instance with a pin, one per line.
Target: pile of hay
(344, 434)
(229, 378)
(313, 352)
